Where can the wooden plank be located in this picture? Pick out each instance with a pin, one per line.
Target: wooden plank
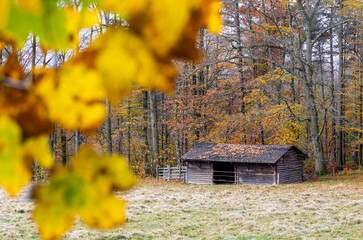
(290, 167)
(201, 174)
(248, 173)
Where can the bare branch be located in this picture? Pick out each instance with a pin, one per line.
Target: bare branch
(293, 114)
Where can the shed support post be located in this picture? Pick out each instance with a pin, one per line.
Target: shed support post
(278, 178)
(275, 175)
(235, 174)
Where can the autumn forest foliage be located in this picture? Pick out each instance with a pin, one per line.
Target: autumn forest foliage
(279, 72)
(79, 99)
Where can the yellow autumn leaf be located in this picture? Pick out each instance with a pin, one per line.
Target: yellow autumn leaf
(89, 18)
(2, 45)
(84, 189)
(52, 222)
(73, 17)
(121, 53)
(32, 6)
(162, 25)
(57, 204)
(76, 20)
(164, 79)
(115, 172)
(125, 8)
(15, 173)
(121, 176)
(213, 21)
(164, 22)
(4, 12)
(125, 60)
(75, 99)
(37, 148)
(106, 213)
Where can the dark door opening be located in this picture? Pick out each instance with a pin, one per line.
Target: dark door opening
(223, 173)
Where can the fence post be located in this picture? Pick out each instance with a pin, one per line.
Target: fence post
(179, 172)
(169, 173)
(157, 174)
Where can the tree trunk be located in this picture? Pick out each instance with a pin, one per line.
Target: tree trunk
(360, 155)
(293, 62)
(322, 84)
(120, 136)
(52, 139)
(163, 130)
(145, 132)
(108, 128)
(360, 105)
(63, 137)
(176, 134)
(201, 78)
(332, 90)
(307, 77)
(128, 133)
(77, 142)
(34, 48)
(154, 130)
(340, 135)
(34, 51)
(239, 53)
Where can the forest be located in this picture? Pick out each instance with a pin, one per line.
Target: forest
(279, 72)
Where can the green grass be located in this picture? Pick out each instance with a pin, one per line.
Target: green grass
(330, 209)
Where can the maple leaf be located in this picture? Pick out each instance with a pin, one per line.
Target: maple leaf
(78, 92)
(87, 184)
(16, 157)
(4, 12)
(32, 6)
(14, 172)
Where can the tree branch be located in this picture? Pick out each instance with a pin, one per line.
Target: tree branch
(327, 29)
(17, 84)
(293, 114)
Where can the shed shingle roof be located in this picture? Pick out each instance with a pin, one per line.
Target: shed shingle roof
(219, 152)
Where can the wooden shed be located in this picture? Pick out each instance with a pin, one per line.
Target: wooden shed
(217, 163)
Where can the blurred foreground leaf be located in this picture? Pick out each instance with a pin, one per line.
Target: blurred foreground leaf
(86, 189)
(14, 174)
(16, 156)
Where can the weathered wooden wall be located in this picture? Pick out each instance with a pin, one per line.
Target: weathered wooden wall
(290, 168)
(251, 173)
(199, 173)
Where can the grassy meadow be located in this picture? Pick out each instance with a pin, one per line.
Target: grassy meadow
(331, 209)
